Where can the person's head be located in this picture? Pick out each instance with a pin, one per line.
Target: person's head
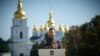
(51, 32)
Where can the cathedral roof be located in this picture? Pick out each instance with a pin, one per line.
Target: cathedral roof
(51, 21)
(41, 28)
(20, 13)
(35, 37)
(60, 27)
(35, 29)
(46, 27)
(66, 29)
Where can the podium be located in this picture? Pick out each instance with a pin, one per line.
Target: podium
(51, 52)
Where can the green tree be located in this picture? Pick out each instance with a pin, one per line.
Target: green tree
(34, 51)
(90, 41)
(65, 43)
(3, 46)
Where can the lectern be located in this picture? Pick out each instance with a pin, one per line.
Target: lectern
(51, 52)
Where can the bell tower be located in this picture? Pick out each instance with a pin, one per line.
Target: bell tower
(19, 29)
(19, 33)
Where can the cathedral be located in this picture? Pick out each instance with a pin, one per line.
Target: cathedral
(20, 44)
(39, 33)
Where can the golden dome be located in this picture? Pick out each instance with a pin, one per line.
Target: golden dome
(66, 29)
(35, 29)
(20, 13)
(46, 27)
(60, 28)
(41, 28)
(50, 22)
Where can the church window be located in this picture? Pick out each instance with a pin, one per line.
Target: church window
(21, 35)
(20, 21)
(21, 54)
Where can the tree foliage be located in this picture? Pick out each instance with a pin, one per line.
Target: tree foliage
(34, 51)
(90, 41)
(3, 46)
(84, 40)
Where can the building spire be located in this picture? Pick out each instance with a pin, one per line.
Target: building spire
(35, 29)
(51, 21)
(50, 15)
(20, 13)
(60, 27)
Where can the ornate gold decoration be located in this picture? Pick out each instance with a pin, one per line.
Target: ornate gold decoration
(46, 27)
(60, 28)
(66, 29)
(50, 22)
(35, 29)
(20, 13)
(41, 28)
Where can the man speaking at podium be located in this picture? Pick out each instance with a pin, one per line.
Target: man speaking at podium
(50, 41)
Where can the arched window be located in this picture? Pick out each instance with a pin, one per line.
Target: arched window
(21, 35)
(21, 54)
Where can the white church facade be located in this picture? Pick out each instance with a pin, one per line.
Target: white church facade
(19, 33)
(20, 43)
